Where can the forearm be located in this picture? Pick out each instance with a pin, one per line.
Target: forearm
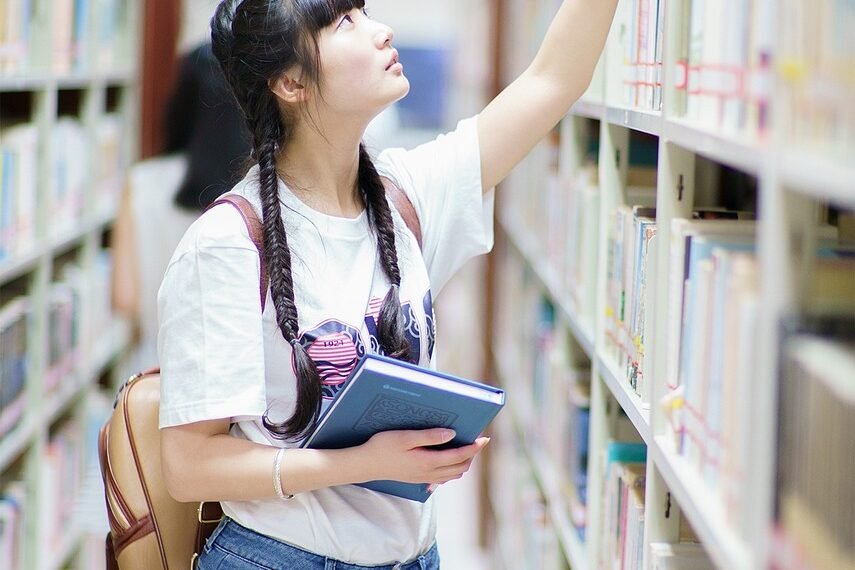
(226, 468)
(573, 44)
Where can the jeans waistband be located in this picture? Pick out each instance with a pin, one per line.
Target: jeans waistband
(268, 552)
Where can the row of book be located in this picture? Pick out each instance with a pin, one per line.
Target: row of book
(73, 34)
(69, 177)
(550, 384)
(525, 537)
(64, 314)
(62, 470)
(639, 27)
(814, 526)
(16, 22)
(559, 223)
(13, 512)
(15, 324)
(712, 321)
(725, 66)
(816, 57)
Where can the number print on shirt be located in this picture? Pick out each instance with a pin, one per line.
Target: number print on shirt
(336, 348)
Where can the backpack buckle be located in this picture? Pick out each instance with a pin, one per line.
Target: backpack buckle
(200, 515)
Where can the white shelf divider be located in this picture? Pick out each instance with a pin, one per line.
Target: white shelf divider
(638, 414)
(725, 546)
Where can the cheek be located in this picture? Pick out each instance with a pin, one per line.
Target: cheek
(351, 77)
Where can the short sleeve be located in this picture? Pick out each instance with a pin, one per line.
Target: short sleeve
(210, 341)
(442, 178)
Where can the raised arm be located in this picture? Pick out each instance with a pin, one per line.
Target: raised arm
(512, 124)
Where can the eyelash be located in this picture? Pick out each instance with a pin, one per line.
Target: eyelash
(349, 18)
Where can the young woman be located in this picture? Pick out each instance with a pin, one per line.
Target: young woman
(242, 386)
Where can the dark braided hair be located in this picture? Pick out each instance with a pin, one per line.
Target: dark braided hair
(256, 41)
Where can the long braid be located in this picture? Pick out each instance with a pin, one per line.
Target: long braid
(278, 261)
(255, 42)
(390, 327)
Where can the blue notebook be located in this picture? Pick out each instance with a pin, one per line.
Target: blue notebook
(383, 394)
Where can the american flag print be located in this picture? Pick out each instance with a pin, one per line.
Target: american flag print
(335, 347)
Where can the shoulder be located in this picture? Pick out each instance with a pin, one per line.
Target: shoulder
(437, 156)
(222, 226)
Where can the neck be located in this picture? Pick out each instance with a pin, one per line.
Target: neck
(321, 165)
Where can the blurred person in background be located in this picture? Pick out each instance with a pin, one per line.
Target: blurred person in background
(243, 379)
(206, 149)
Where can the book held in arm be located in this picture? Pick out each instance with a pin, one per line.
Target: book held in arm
(383, 394)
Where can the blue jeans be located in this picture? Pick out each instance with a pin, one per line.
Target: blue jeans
(233, 547)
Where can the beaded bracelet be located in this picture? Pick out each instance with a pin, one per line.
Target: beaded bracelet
(277, 476)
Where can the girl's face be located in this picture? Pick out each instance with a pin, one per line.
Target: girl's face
(360, 71)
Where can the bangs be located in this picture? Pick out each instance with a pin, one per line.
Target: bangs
(321, 13)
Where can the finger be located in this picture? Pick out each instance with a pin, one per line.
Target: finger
(427, 437)
(448, 457)
(456, 469)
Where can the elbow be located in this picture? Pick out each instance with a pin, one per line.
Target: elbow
(175, 471)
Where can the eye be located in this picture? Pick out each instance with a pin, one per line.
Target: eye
(346, 18)
(365, 12)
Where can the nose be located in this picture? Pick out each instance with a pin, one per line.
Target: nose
(385, 36)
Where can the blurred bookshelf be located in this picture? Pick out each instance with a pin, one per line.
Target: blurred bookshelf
(674, 263)
(68, 132)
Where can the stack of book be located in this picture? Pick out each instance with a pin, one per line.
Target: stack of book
(13, 498)
(725, 63)
(622, 532)
(15, 320)
(16, 20)
(639, 26)
(69, 174)
(814, 527)
(816, 59)
(18, 173)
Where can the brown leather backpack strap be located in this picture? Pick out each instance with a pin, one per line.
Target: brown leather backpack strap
(405, 208)
(256, 234)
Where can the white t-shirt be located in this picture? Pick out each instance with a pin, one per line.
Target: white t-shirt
(221, 358)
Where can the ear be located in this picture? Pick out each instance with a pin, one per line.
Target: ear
(288, 88)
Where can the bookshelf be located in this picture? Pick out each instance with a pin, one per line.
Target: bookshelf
(686, 117)
(68, 131)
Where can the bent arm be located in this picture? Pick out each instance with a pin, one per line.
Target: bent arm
(202, 462)
(521, 115)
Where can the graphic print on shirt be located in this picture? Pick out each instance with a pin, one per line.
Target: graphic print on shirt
(412, 328)
(335, 347)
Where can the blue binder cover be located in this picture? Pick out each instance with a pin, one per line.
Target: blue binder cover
(383, 394)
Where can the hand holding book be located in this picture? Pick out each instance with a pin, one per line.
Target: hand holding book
(412, 427)
(407, 456)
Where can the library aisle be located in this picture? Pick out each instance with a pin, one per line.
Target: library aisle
(670, 303)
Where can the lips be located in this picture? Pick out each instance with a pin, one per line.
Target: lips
(393, 61)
